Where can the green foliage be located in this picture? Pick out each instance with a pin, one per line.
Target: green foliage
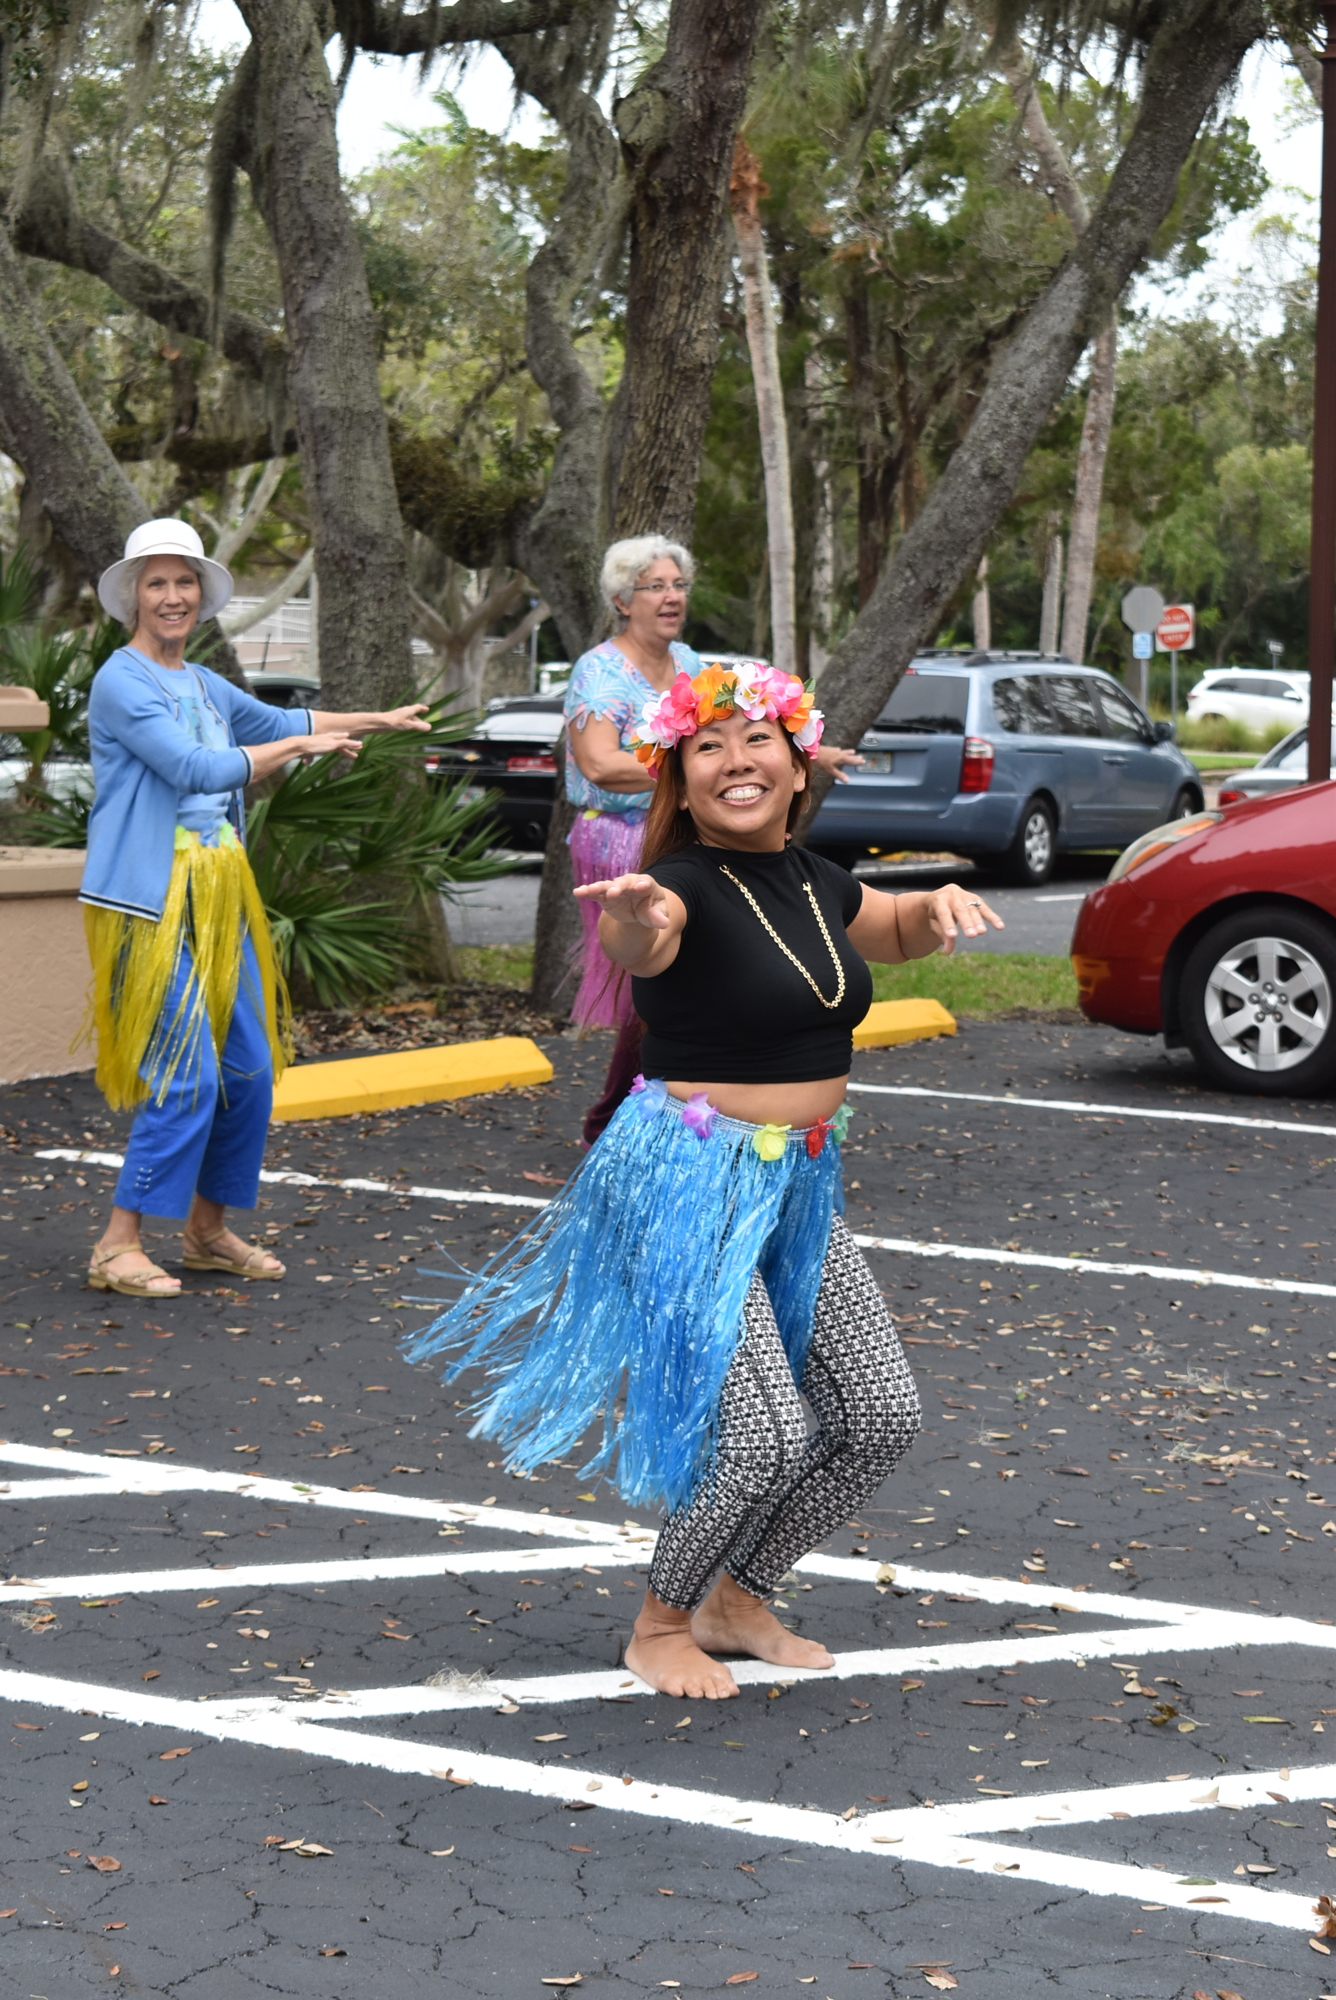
(980, 984)
(1222, 733)
(342, 851)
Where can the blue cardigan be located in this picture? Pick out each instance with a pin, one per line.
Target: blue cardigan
(145, 760)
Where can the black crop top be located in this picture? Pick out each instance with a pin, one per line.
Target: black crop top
(731, 1008)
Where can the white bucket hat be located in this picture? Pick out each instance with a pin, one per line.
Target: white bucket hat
(116, 586)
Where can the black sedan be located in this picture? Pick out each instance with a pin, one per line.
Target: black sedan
(512, 754)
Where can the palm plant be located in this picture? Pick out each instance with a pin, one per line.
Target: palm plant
(342, 853)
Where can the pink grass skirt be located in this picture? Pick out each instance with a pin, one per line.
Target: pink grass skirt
(602, 845)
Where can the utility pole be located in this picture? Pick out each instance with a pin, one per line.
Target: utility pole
(1322, 559)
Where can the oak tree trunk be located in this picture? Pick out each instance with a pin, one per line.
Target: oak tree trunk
(745, 191)
(677, 130)
(1193, 55)
(48, 429)
(1090, 458)
(292, 158)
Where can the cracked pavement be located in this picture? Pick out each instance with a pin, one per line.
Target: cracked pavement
(1129, 1437)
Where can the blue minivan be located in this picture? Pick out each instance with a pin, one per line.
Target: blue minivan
(1006, 759)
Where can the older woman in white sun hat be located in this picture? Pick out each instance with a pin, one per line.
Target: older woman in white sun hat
(189, 1004)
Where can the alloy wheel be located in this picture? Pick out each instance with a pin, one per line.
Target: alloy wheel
(1268, 1004)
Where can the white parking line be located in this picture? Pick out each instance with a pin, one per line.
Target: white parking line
(940, 1837)
(485, 1196)
(1079, 1105)
(956, 1835)
(906, 1246)
(900, 1245)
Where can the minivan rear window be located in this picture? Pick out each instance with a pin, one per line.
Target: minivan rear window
(928, 702)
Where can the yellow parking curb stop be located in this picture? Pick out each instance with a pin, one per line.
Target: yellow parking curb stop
(889, 1021)
(411, 1076)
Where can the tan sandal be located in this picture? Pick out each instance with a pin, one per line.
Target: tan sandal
(199, 1257)
(137, 1284)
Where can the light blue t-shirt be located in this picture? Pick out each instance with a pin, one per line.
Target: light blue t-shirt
(604, 682)
(198, 812)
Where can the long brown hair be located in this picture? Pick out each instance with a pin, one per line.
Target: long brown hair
(669, 827)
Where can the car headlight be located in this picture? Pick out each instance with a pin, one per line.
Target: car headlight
(1158, 839)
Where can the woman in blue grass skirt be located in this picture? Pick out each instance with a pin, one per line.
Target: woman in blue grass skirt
(695, 1274)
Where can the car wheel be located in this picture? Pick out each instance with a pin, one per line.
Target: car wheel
(1030, 859)
(1186, 802)
(1258, 1002)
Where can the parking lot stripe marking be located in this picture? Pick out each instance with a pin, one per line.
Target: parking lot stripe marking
(152, 1476)
(352, 1569)
(1079, 1106)
(900, 1245)
(485, 1197)
(935, 1841)
(906, 1246)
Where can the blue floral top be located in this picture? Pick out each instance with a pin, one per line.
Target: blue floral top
(604, 682)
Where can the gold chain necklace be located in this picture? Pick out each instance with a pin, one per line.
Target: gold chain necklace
(792, 957)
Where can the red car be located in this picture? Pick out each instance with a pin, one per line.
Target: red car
(1219, 932)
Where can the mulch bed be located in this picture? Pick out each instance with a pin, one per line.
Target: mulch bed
(457, 1014)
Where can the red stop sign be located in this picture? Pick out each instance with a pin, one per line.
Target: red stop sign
(1177, 627)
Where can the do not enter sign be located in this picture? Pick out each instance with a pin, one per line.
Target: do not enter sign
(1177, 628)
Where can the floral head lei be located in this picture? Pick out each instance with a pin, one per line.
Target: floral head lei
(759, 692)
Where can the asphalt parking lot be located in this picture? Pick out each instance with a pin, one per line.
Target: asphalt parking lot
(1086, 1628)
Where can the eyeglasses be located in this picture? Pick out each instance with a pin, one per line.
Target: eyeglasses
(659, 587)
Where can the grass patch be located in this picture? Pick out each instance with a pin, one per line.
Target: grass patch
(981, 984)
(495, 965)
(1211, 760)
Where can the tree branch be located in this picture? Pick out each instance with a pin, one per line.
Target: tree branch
(234, 537)
(234, 624)
(50, 226)
(1308, 64)
(382, 28)
(1192, 57)
(1061, 179)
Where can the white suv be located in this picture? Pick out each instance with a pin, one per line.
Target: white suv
(1256, 697)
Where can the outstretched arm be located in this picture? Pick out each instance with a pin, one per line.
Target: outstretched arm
(890, 929)
(641, 923)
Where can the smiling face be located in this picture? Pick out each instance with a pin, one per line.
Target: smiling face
(739, 780)
(656, 609)
(167, 601)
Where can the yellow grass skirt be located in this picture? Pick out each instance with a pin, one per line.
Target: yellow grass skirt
(212, 905)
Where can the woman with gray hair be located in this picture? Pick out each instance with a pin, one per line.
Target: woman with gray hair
(644, 581)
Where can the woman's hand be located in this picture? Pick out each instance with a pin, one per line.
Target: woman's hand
(631, 899)
(325, 742)
(890, 929)
(411, 717)
(830, 757)
(951, 912)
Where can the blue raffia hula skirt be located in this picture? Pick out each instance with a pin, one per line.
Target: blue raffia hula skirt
(632, 1281)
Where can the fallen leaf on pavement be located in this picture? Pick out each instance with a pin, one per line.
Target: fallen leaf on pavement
(331, 1951)
(105, 1864)
(9, 1913)
(943, 1981)
(154, 1800)
(563, 1979)
(741, 1978)
(151, 1675)
(166, 1756)
(115, 1927)
(441, 1852)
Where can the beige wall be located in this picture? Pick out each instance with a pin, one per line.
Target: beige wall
(44, 969)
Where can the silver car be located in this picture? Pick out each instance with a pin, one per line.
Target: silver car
(1279, 771)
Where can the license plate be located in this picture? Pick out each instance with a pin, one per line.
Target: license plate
(877, 762)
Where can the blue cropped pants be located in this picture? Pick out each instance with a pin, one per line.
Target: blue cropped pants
(207, 1136)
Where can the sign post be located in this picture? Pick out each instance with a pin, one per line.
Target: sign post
(1176, 633)
(1142, 609)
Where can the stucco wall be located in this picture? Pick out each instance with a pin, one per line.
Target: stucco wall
(43, 963)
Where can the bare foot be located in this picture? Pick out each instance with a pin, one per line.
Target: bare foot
(731, 1620)
(663, 1653)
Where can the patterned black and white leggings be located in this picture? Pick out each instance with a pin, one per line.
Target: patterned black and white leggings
(774, 1492)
